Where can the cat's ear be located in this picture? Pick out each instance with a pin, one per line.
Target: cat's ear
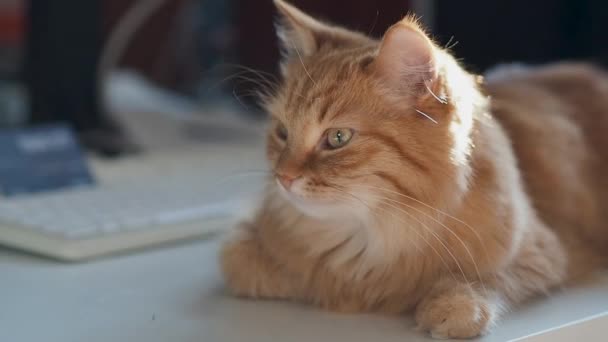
(406, 58)
(301, 34)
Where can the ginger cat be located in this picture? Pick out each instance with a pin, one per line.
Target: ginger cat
(402, 183)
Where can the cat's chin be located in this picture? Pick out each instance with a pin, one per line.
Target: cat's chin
(320, 208)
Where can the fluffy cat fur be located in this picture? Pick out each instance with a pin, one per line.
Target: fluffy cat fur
(455, 198)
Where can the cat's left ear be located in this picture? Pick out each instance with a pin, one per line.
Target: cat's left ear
(301, 34)
(407, 57)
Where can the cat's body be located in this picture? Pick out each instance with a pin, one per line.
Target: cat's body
(557, 121)
(455, 198)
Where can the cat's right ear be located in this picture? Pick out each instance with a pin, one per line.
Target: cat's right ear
(303, 35)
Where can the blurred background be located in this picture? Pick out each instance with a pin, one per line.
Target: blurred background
(120, 72)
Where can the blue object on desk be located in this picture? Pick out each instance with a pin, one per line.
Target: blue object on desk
(40, 159)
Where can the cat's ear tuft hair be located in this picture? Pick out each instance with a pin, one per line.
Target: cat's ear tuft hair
(296, 29)
(407, 56)
(301, 34)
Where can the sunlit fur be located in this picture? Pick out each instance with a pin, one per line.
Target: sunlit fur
(454, 198)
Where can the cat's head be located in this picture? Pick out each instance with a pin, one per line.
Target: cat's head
(357, 123)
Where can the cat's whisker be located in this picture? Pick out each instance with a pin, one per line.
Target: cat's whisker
(257, 87)
(260, 90)
(448, 43)
(260, 82)
(349, 196)
(426, 115)
(445, 264)
(222, 67)
(254, 71)
(448, 229)
(477, 236)
(263, 77)
(429, 230)
(256, 94)
(267, 76)
(239, 100)
(302, 62)
(448, 268)
(426, 205)
(374, 24)
(266, 84)
(448, 46)
(441, 100)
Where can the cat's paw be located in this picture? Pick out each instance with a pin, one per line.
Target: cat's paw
(239, 263)
(457, 312)
(249, 272)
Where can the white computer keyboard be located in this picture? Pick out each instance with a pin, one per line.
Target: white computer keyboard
(87, 222)
(141, 201)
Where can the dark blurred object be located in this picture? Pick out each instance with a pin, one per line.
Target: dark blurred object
(60, 71)
(187, 46)
(11, 37)
(491, 32)
(41, 158)
(12, 99)
(151, 50)
(216, 47)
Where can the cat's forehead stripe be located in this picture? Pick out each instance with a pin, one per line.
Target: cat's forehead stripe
(318, 97)
(323, 110)
(316, 87)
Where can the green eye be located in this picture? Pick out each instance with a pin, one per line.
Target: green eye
(281, 131)
(338, 137)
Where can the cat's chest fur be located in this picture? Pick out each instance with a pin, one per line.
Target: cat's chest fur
(344, 268)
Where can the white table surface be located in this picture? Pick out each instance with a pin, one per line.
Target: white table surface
(175, 294)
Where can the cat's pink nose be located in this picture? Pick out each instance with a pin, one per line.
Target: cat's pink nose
(286, 180)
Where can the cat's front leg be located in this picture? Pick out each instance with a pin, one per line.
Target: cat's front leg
(249, 271)
(456, 309)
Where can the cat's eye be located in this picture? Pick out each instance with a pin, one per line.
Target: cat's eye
(281, 131)
(338, 137)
